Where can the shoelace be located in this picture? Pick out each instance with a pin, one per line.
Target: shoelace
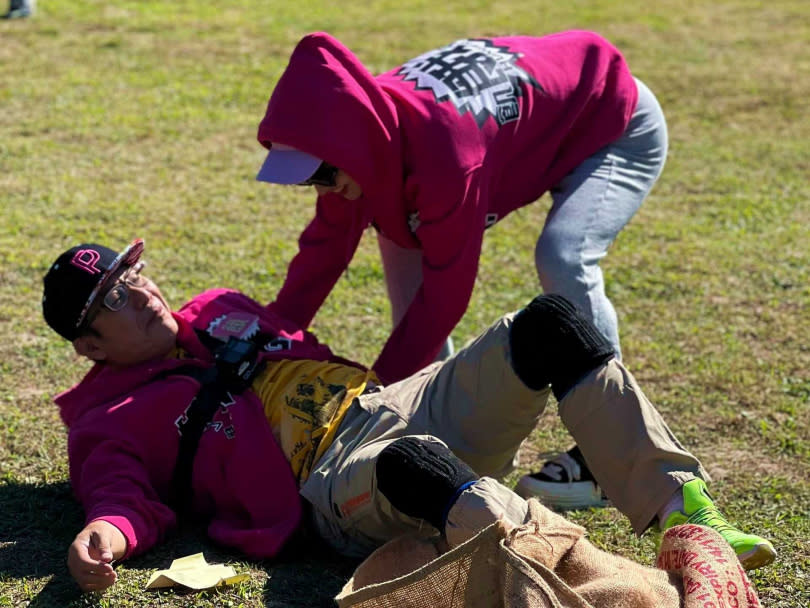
(567, 464)
(709, 516)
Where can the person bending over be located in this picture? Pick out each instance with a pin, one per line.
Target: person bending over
(437, 150)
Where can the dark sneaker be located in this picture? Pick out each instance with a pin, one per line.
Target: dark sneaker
(564, 482)
(753, 551)
(19, 9)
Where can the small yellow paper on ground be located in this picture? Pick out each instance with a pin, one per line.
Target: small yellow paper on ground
(194, 572)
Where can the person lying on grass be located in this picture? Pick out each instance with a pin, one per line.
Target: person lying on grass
(223, 410)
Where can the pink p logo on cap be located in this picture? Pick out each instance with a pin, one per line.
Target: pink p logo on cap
(86, 259)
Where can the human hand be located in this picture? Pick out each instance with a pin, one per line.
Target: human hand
(92, 553)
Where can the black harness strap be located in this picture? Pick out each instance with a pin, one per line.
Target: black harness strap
(236, 365)
(191, 426)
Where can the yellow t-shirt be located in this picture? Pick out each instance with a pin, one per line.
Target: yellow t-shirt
(305, 401)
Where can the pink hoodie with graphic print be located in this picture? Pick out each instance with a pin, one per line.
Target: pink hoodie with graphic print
(442, 147)
(123, 438)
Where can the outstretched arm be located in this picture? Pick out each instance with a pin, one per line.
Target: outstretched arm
(124, 513)
(92, 552)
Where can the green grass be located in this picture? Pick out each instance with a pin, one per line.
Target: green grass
(123, 119)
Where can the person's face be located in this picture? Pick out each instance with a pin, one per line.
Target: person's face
(142, 327)
(344, 186)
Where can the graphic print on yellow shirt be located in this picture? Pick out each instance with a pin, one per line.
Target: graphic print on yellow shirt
(305, 401)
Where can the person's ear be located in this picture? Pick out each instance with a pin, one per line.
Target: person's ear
(89, 346)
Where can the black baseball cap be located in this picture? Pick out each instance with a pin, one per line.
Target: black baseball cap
(74, 281)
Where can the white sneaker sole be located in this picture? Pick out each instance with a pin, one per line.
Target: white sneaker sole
(574, 495)
(758, 556)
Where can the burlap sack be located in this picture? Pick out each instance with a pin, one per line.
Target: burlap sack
(548, 563)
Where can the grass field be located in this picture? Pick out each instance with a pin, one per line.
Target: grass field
(124, 119)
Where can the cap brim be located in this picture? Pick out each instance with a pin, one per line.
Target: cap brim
(287, 166)
(128, 256)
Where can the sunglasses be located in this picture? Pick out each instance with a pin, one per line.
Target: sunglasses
(325, 175)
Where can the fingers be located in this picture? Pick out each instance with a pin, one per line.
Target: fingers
(95, 580)
(92, 553)
(89, 572)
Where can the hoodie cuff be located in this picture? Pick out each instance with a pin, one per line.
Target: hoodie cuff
(122, 523)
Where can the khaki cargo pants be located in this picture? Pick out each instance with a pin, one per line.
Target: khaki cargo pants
(476, 405)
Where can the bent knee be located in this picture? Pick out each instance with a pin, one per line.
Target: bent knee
(553, 343)
(422, 478)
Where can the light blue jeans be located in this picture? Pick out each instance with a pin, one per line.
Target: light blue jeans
(590, 207)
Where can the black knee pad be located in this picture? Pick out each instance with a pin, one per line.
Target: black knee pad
(552, 342)
(422, 478)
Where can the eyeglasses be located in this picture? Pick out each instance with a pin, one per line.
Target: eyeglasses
(325, 175)
(117, 296)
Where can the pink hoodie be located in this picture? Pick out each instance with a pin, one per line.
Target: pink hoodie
(442, 147)
(123, 439)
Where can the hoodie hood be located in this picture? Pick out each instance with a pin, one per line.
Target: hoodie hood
(327, 104)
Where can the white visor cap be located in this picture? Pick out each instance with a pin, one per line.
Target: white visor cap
(287, 165)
